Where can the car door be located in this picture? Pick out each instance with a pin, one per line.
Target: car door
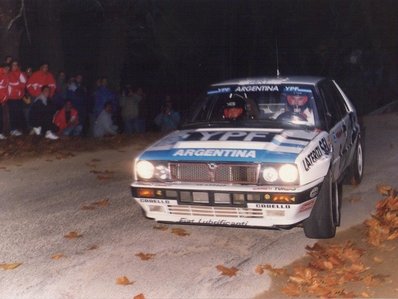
(337, 124)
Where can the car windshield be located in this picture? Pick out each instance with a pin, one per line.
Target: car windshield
(278, 105)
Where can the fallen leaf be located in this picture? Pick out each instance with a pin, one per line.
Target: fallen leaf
(384, 189)
(87, 207)
(101, 203)
(123, 280)
(291, 289)
(275, 271)
(57, 256)
(73, 235)
(161, 227)
(95, 160)
(377, 259)
(365, 294)
(10, 266)
(227, 271)
(139, 296)
(103, 177)
(145, 256)
(180, 232)
(92, 247)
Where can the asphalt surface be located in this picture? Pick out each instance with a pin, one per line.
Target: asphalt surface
(43, 200)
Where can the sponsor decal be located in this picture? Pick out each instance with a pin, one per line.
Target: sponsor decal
(324, 145)
(312, 157)
(272, 206)
(219, 90)
(296, 89)
(235, 153)
(307, 205)
(314, 192)
(229, 136)
(214, 222)
(320, 150)
(254, 88)
(161, 201)
(277, 188)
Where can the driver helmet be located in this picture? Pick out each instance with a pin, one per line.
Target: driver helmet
(234, 108)
(298, 99)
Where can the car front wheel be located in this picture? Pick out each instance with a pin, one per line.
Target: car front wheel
(355, 172)
(325, 215)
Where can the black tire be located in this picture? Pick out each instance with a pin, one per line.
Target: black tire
(355, 170)
(325, 214)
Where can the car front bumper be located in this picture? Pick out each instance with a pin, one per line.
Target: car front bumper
(226, 205)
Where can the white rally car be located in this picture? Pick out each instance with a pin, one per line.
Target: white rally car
(261, 152)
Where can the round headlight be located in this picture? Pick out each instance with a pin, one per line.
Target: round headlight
(145, 169)
(270, 174)
(288, 173)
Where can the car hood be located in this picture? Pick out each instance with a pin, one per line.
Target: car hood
(231, 145)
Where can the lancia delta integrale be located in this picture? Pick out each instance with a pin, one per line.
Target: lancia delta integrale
(263, 152)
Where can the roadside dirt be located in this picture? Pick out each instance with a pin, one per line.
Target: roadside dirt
(27, 147)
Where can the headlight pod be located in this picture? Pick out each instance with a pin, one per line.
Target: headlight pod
(145, 169)
(270, 174)
(152, 170)
(285, 173)
(288, 173)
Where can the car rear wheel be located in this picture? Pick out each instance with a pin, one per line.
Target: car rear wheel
(325, 215)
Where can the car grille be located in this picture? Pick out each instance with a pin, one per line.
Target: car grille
(215, 211)
(215, 173)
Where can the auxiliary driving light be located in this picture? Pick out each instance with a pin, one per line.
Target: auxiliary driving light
(270, 174)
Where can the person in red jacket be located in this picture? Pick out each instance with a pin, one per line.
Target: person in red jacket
(67, 121)
(39, 79)
(3, 94)
(16, 91)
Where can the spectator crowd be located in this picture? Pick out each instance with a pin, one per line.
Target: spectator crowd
(37, 103)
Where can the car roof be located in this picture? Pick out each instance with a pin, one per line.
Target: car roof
(312, 80)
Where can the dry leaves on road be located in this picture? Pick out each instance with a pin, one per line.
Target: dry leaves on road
(180, 232)
(58, 256)
(333, 266)
(123, 280)
(10, 266)
(145, 256)
(100, 203)
(227, 271)
(384, 223)
(92, 247)
(139, 296)
(73, 235)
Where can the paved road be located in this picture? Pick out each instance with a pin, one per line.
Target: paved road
(41, 201)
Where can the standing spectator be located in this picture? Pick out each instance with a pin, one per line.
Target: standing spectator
(104, 95)
(104, 125)
(67, 120)
(8, 59)
(168, 119)
(60, 90)
(41, 114)
(3, 95)
(39, 79)
(16, 91)
(79, 99)
(129, 104)
(27, 100)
